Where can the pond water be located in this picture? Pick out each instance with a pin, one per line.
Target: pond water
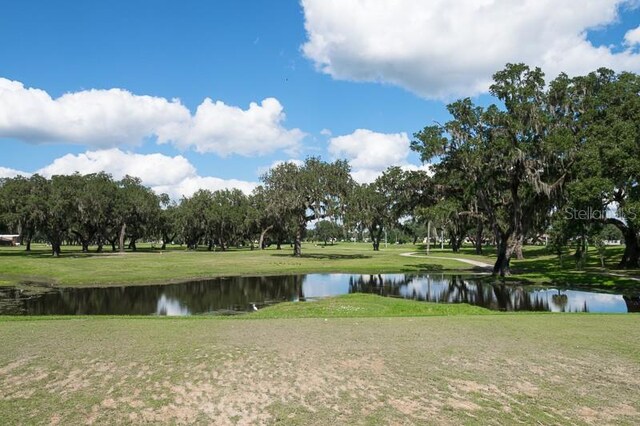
(240, 294)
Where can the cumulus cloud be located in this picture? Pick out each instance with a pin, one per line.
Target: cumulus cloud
(445, 48)
(6, 172)
(189, 185)
(264, 169)
(223, 129)
(175, 176)
(99, 118)
(153, 169)
(116, 117)
(366, 149)
(370, 153)
(632, 37)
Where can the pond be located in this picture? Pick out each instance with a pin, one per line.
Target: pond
(241, 294)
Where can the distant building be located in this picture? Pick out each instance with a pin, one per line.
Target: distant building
(9, 240)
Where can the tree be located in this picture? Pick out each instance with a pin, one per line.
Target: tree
(313, 190)
(137, 206)
(368, 208)
(22, 205)
(226, 216)
(515, 158)
(94, 202)
(59, 206)
(326, 230)
(193, 217)
(608, 167)
(167, 222)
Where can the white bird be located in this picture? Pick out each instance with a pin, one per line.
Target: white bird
(253, 305)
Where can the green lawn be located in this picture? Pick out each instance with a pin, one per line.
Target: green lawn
(363, 305)
(455, 369)
(147, 266)
(176, 264)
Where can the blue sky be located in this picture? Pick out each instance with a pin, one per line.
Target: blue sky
(384, 68)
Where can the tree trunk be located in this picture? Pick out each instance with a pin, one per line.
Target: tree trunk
(516, 247)
(631, 256)
(297, 245)
(502, 267)
(123, 229)
(28, 244)
(55, 249)
(85, 246)
(262, 235)
(100, 244)
(376, 236)
(166, 238)
(478, 242)
(456, 243)
(132, 244)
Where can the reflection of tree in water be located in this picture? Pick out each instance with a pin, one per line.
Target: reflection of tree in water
(197, 297)
(238, 293)
(377, 284)
(632, 302)
(560, 300)
(441, 288)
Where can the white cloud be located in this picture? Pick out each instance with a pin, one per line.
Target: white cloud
(223, 129)
(371, 150)
(175, 176)
(370, 153)
(98, 118)
(445, 48)
(264, 169)
(153, 169)
(6, 172)
(632, 37)
(116, 117)
(325, 132)
(188, 186)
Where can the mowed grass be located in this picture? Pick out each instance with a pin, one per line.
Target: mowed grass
(462, 369)
(359, 305)
(540, 266)
(153, 266)
(150, 266)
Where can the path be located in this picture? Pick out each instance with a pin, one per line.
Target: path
(459, 259)
(615, 274)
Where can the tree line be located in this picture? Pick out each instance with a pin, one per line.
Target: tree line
(546, 161)
(96, 210)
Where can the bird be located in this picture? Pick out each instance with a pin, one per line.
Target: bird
(254, 307)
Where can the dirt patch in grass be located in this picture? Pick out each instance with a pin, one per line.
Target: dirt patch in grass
(573, 369)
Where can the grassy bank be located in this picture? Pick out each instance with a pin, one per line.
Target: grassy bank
(176, 264)
(149, 266)
(363, 305)
(495, 369)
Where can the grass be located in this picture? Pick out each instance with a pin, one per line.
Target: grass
(359, 305)
(460, 369)
(152, 266)
(539, 266)
(149, 266)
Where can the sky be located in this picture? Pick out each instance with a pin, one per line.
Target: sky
(211, 94)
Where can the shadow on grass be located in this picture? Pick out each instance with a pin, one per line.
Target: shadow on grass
(422, 267)
(331, 256)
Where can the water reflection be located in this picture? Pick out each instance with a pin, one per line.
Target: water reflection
(229, 295)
